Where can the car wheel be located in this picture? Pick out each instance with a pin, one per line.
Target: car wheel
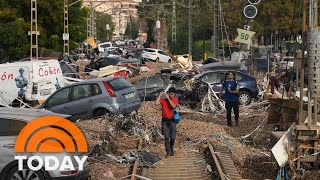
(169, 61)
(26, 173)
(244, 98)
(99, 112)
(157, 60)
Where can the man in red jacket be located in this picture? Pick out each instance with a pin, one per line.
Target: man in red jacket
(168, 125)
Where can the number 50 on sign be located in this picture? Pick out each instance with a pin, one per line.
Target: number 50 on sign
(244, 36)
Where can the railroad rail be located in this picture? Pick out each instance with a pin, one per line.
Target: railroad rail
(194, 165)
(223, 163)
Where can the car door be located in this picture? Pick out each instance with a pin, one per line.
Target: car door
(149, 88)
(81, 100)
(149, 54)
(153, 54)
(9, 130)
(160, 56)
(163, 57)
(58, 102)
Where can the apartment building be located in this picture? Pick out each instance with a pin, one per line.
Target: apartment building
(120, 10)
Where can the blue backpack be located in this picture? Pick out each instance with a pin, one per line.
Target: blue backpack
(176, 116)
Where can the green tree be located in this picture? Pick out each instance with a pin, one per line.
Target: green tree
(15, 24)
(132, 29)
(279, 15)
(102, 20)
(14, 40)
(148, 11)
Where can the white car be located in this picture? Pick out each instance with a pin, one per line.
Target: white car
(104, 45)
(111, 48)
(156, 55)
(287, 62)
(12, 121)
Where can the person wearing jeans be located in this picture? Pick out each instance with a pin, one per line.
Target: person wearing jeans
(231, 89)
(168, 124)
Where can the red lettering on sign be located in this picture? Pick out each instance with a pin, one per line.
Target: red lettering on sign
(50, 71)
(5, 76)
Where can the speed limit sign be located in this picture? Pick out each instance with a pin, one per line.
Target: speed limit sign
(244, 36)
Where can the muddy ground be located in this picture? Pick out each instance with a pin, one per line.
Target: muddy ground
(251, 156)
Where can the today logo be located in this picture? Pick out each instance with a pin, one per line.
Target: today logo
(51, 134)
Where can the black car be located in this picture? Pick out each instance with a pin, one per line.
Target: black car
(108, 61)
(134, 53)
(225, 65)
(210, 60)
(149, 87)
(247, 84)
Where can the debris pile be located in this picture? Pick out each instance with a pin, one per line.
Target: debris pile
(113, 140)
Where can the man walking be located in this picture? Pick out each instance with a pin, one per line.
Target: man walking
(168, 125)
(230, 86)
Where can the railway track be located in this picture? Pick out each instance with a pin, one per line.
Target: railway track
(187, 165)
(193, 165)
(223, 163)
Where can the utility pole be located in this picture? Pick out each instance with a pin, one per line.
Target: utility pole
(90, 23)
(158, 26)
(313, 62)
(190, 29)
(65, 36)
(131, 28)
(66, 29)
(304, 31)
(34, 33)
(94, 25)
(313, 41)
(120, 21)
(88, 27)
(215, 47)
(174, 26)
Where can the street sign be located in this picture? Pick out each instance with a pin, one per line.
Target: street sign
(158, 24)
(250, 11)
(244, 36)
(65, 36)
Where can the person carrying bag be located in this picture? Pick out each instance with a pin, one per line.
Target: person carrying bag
(169, 119)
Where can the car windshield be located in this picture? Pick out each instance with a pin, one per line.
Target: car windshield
(149, 50)
(119, 84)
(150, 82)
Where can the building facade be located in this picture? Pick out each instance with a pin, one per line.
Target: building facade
(120, 11)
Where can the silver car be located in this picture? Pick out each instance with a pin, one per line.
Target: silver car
(95, 97)
(12, 121)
